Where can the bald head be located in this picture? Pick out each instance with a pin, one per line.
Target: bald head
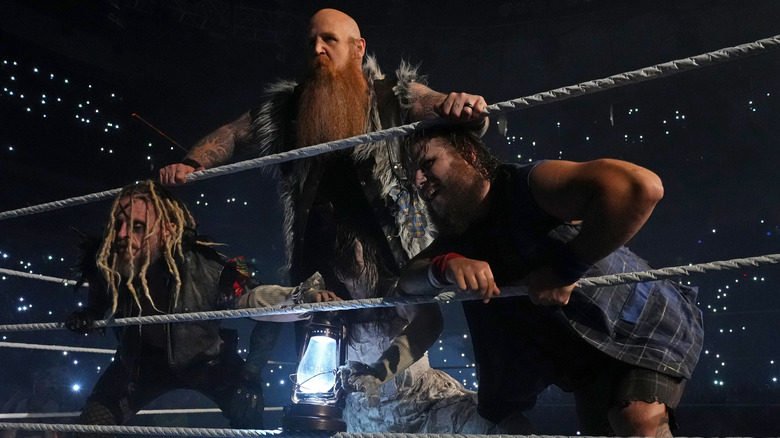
(336, 35)
(337, 19)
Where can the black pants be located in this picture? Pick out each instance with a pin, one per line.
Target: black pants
(122, 391)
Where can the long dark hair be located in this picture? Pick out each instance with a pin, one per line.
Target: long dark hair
(463, 139)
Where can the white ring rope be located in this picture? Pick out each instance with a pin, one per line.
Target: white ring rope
(606, 280)
(56, 348)
(653, 72)
(676, 271)
(62, 281)
(69, 348)
(151, 430)
(230, 433)
(21, 415)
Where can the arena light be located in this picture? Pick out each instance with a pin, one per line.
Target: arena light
(316, 399)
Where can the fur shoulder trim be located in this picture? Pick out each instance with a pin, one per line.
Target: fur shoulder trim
(407, 74)
(269, 118)
(280, 86)
(371, 69)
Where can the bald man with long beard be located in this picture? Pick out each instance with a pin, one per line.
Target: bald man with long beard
(354, 217)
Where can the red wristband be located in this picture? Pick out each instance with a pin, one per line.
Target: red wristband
(439, 266)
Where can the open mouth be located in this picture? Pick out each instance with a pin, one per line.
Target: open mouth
(431, 192)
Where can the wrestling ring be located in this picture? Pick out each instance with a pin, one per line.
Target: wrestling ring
(628, 78)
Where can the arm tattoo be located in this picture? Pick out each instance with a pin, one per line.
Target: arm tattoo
(423, 99)
(214, 149)
(427, 103)
(243, 133)
(218, 147)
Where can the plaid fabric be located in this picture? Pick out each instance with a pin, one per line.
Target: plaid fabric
(639, 384)
(408, 207)
(654, 324)
(619, 385)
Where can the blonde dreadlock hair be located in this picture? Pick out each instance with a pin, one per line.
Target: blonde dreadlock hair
(172, 215)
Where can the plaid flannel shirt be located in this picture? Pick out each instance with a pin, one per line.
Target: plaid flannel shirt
(407, 206)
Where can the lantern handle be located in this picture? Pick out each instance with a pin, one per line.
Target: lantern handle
(294, 378)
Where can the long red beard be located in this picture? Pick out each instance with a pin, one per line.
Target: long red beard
(333, 104)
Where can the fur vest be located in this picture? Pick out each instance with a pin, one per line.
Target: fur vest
(378, 166)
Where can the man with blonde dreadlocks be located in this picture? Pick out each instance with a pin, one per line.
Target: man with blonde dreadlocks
(151, 262)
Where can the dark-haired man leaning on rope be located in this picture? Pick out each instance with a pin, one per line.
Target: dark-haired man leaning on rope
(625, 351)
(151, 261)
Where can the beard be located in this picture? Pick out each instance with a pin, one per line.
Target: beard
(130, 269)
(458, 200)
(333, 104)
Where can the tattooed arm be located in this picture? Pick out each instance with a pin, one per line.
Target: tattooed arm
(212, 150)
(462, 107)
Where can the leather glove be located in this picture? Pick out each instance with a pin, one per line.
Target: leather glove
(245, 408)
(81, 321)
(360, 377)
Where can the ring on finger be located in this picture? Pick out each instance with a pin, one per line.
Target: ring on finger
(470, 105)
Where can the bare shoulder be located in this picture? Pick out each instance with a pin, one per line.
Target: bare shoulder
(556, 172)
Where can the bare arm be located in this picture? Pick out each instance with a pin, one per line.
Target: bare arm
(612, 198)
(213, 150)
(427, 103)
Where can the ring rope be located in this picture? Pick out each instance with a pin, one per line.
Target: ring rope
(676, 271)
(56, 348)
(69, 348)
(641, 75)
(62, 281)
(20, 415)
(606, 280)
(151, 430)
(230, 433)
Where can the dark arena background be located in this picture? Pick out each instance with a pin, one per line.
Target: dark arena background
(97, 94)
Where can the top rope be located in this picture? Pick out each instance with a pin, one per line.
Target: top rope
(645, 74)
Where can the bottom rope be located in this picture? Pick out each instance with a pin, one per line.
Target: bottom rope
(147, 430)
(73, 414)
(229, 433)
(202, 432)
